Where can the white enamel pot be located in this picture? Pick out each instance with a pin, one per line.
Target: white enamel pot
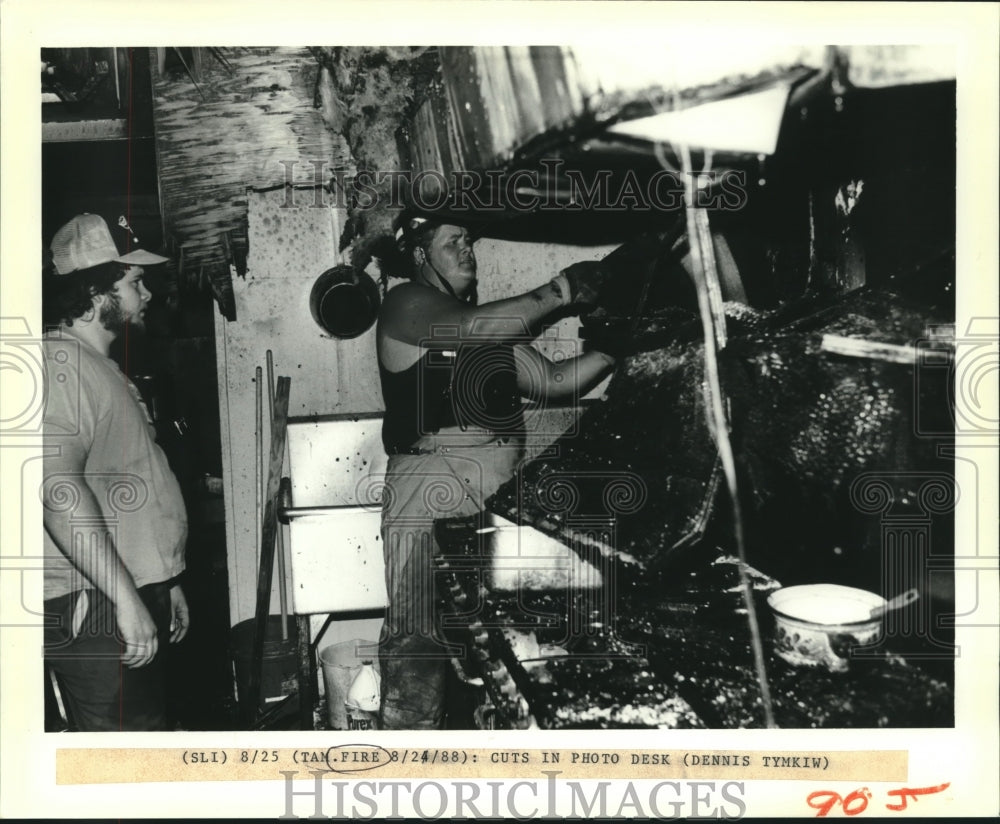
(816, 625)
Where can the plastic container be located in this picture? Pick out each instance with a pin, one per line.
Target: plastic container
(361, 706)
(341, 664)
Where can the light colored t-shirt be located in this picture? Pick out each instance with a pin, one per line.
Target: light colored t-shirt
(90, 401)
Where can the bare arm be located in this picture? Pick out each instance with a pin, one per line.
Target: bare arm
(540, 379)
(96, 559)
(410, 314)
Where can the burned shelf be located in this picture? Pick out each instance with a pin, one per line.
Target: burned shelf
(655, 656)
(807, 425)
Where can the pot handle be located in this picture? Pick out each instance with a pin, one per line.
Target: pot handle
(901, 600)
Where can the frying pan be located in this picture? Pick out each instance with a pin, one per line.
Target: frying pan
(344, 302)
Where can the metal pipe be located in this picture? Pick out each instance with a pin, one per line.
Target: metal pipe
(118, 91)
(287, 514)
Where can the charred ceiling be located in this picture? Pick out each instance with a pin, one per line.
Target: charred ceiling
(543, 143)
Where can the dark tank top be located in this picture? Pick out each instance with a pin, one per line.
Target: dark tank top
(470, 385)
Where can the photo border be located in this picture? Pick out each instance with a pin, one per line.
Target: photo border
(965, 757)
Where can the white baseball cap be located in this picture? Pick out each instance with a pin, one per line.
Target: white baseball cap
(86, 241)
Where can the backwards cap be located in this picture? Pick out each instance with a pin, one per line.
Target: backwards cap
(86, 241)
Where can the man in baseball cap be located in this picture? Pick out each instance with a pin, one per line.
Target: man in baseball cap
(115, 522)
(86, 241)
(87, 266)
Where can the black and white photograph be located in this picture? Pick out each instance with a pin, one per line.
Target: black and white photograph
(595, 397)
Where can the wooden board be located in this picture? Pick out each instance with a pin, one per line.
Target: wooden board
(252, 125)
(268, 530)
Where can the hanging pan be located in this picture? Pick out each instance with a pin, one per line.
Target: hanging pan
(344, 302)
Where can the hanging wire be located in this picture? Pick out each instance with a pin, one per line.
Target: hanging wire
(703, 265)
(660, 153)
(713, 321)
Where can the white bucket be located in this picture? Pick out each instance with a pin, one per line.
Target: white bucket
(341, 663)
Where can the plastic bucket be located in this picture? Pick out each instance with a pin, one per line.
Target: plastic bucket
(279, 667)
(341, 663)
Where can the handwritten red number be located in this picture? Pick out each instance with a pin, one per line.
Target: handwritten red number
(907, 792)
(824, 807)
(856, 802)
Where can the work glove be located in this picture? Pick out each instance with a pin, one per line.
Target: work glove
(586, 279)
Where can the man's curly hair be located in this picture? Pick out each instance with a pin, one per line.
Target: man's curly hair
(65, 298)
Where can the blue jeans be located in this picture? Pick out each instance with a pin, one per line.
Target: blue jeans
(99, 692)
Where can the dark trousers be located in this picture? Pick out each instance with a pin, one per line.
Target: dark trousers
(99, 692)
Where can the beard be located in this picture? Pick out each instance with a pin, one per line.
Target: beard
(114, 319)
